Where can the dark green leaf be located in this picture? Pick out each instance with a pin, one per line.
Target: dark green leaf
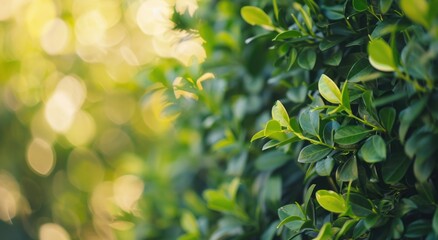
(313, 153)
(418, 228)
(331, 201)
(348, 135)
(297, 94)
(334, 59)
(271, 160)
(394, 168)
(292, 58)
(373, 150)
(385, 5)
(307, 58)
(329, 132)
(325, 166)
(362, 71)
(387, 118)
(435, 222)
(348, 171)
(359, 229)
(408, 115)
(272, 189)
(360, 5)
(360, 205)
(397, 228)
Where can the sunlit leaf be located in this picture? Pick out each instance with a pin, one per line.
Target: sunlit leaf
(328, 89)
(256, 16)
(331, 201)
(381, 56)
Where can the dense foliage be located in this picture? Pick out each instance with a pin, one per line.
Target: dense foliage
(311, 119)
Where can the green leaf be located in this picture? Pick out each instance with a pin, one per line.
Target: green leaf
(275, 5)
(348, 135)
(345, 97)
(397, 228)
(297, 94)
(189, 223)
(381, 56)
(360, 205)
(385, 5)
(394, 168)
(288, 35)
(308, 196)
(292, 58)
(373, 150)
(362, 71)
(309, 121)
(291, 210)
(272, 126)
(435, 222)
(360, 5)
(345, 228)
(256, 16)
(329, 132)
(335, 59)
(217, 200)
(288, 220)
(313, 153)
(408, 115)
(359, 229)
(271, 160)
(387, 118)
(326, 232)
(325, 166)
(273, 190)
(418, 229)
(258, 135)
(331, 201)
(328, 89)
(348, 171)
(307, 58)
(279, 113)
(416, 10)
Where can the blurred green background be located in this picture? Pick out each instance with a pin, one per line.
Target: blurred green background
(110, 120)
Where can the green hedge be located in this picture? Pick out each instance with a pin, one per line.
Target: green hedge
(348, 149)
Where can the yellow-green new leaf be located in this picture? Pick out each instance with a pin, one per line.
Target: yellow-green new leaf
(328, 89)
(381, 56)
(279, 113)
(256, 16)
(416, 10)
(331, 201)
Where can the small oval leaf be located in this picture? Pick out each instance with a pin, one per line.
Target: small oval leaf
(328, 89)
(381, 56)
(256, 16)
(313, 153)
(348, 135)
(373, 150)
(331, 201)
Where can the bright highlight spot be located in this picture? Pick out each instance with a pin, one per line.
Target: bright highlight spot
(53, 231)
(55, 36)
(64, 103)
(127, 190)
(90, 28)
(190, 5)
(153, 17)
(40, 157)
(10, 196)
(9, 8)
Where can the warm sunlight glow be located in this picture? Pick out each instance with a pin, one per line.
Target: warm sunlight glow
(10, 196)
(53, 231)
(40, 157)
(82, 130)
(127, 191)
(153, 17)
(55, 36)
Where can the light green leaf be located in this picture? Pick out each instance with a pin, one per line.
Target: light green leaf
(416, 10)
(256, 16)
(258, 135)
(313, 153)
(307, 58)
(288, 220)
(331, 201)
(280, 114)
(345, 97)
(325, 166)
(373, 150)
(381, 56)
(326, 232)
(272, 126)
(350, 134)
(189, 223)
(329, 132)
(288, 35)
(360, 5)
(328, 89)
